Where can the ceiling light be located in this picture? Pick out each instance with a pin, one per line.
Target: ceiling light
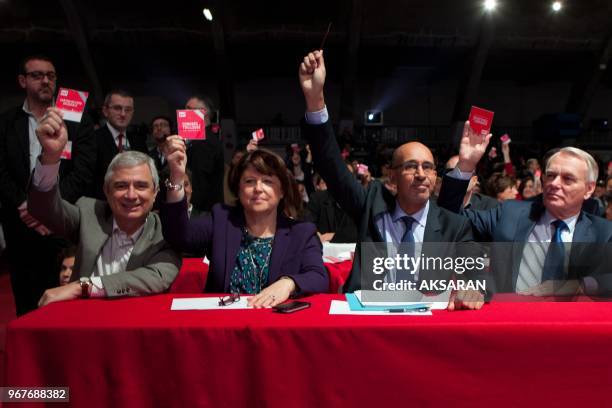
(207, 14)
(490, 5)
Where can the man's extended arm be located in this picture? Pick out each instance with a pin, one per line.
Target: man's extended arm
(328, 161)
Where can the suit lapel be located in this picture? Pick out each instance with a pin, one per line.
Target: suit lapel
(432, 226)
(581, 253)
(233, 236)
(381, 203)
(281, 241)
(112, 145)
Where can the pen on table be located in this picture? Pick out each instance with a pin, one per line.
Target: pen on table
(401, 310)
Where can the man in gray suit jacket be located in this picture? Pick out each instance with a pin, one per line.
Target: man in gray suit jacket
(121, 250)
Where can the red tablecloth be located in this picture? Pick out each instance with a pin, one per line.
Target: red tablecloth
(136, 352)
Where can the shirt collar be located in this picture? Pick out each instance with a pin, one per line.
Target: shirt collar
(134, 237)
(114, 131)
(26, 107)
(547, 219)
(420, 216)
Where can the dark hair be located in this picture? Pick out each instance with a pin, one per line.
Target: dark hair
(524, 182)
(39, 57)
(164, 117)
(120, 92)
(317, 179)
(498, 183)
(67, 252)
(207, 101)
(270, 164)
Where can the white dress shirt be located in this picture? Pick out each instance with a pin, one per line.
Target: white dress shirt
(115, 133)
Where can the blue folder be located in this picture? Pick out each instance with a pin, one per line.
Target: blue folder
(356, 306)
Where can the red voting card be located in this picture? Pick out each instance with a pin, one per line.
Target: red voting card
(191, 124)
(295, 147)
(481, 120)
(505, 139)
(71, 103)
(258, 135)
(362, 169)
(67, 152)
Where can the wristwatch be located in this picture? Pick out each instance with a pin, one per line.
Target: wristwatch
(172, 187)
(85, 285)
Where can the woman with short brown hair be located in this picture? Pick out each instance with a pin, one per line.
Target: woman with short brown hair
(256, 247)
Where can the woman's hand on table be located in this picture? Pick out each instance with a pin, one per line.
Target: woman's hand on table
(274, 294)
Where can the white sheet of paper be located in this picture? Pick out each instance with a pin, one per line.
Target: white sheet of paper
(207, 303)
(341, 307)
(438, 302)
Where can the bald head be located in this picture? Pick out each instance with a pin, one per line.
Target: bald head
(410, 149)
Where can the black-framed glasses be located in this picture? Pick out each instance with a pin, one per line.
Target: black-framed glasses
(39, 75)
(228, 300)
(410, 167)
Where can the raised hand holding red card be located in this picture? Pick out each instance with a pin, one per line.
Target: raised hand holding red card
(72, 103)
(258, 135)
(481, 120)
(191, 123)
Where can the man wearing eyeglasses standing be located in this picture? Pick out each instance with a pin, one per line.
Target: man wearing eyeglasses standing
(410, 216)
(114, 137)
(32, 249)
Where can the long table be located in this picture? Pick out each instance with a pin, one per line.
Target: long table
(137, 352)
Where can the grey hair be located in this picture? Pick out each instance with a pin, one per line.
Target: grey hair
(130, 159)
(592, 167)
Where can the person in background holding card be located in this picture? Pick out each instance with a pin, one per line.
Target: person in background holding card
(120, 247)
(555, 217)
(19, 149)
(256, 247)
(206, 162)
(114, 137)
(410, 216)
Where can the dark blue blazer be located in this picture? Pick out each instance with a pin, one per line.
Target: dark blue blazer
(512, 221)
(296, 251)
(364, 205)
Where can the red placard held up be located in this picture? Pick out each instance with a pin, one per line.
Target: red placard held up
(72, 103)
(481, 120)
(191, 123)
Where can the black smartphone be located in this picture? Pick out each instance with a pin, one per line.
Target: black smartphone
(291, 307)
